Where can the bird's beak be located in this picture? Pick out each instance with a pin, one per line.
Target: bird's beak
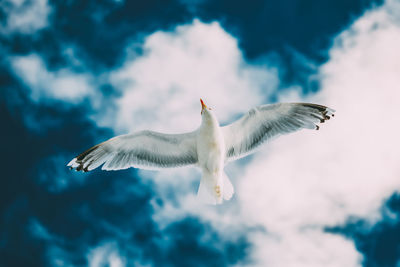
(203, 106)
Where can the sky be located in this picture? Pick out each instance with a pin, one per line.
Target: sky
(75, 73)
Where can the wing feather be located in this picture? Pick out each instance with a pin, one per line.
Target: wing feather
(145, 149)
(265, 122)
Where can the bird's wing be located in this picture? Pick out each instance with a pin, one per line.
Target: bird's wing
(145, 149)
(264, 122)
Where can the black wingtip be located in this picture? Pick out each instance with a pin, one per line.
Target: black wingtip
(80, 159)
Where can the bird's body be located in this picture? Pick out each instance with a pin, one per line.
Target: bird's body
(210, 147)
(211, 159)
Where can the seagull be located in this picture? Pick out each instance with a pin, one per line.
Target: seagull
(210, 147)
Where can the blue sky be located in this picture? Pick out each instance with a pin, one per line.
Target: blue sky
(75, 73)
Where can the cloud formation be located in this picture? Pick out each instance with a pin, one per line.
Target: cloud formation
(161, 88)
(310, 180)
(24, 16)
(47, 85)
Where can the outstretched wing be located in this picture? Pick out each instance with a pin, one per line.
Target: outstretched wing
(264, 122)
(145, 149)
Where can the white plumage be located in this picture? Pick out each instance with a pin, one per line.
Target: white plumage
(210, 147)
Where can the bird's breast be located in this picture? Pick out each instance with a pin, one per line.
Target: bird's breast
(211, 149)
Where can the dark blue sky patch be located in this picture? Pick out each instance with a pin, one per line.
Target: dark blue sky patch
(15, 238)
(102, 29)
(187, 249)
(44, 42)
(380, 243)
(307, 26)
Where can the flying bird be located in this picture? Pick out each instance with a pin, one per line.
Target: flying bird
(210, 147)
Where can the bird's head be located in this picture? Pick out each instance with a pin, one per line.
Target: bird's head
(204, 108)
(206, 114)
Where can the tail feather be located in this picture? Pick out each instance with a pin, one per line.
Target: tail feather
(228, 191)
(213, 192)
(204, 194)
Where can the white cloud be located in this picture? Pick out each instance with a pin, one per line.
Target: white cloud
(306, 248)
(43, 84)
(25, 16)
(351, 164)
(349, 168)
(161, 88)
(106, 254)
